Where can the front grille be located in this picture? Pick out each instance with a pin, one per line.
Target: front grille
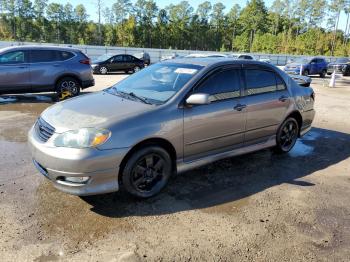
(44, 130)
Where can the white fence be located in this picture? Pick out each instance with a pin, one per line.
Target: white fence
(155, 54)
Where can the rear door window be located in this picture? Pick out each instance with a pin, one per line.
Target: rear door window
(260, 81)
(64, 55)
(222, 85)
(43, 56)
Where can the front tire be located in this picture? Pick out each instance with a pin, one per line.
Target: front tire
(323, 74)
(67, 87)
(103, 70)
(306, 72)
(287, 135)
(147, 172)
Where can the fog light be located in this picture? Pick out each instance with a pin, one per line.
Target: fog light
(77, 179)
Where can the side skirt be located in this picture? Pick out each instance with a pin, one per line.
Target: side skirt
(185, 166)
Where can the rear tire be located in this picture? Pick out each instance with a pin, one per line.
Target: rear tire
(287, 136)
(306, 72)
(147, 172)
(67, 87)
(136, 69)
(323, 74)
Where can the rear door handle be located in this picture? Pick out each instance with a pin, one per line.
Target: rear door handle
(239, 107)
(283, 98)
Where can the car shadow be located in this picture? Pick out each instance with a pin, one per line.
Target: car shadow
(233, 179)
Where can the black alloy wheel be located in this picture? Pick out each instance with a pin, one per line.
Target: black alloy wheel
(287, 135)
(147, 172)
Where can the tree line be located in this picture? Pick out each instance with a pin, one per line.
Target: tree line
(303, 27)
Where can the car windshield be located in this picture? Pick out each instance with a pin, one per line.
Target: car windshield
(157, 83)
(302, 60)
(342, 60)
(103, 58)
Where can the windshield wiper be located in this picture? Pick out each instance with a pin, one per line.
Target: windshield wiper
(130, 95)
(144, 100)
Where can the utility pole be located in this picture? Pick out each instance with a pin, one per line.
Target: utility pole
(99, 8)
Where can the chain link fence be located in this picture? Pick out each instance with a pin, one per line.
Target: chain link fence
(156, 54)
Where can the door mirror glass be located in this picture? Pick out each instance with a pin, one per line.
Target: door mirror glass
(198, 99)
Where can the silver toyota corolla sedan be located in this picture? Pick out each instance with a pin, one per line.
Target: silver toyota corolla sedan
(168, 118)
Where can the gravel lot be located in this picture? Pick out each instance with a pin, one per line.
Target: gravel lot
(259, 206)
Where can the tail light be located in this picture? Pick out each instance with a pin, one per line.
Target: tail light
(85, 61)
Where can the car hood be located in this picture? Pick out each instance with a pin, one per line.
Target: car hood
(99, 110)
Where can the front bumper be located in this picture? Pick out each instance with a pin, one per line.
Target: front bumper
(56, 163)
(292, 71)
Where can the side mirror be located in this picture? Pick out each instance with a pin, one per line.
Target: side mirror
(198, 99)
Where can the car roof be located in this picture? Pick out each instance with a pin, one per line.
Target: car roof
(39, 47)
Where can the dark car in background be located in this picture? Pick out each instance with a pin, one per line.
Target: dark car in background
(340, 66)
(145, 57)
(310, 66)
(107, 64)
(32, 69)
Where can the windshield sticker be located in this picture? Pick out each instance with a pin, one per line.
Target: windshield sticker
(188, 71)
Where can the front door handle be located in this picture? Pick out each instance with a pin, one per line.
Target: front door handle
(239, 107)
(283, 98)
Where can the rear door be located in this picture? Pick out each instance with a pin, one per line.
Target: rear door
(14, 72)
(266, 99)
(45, 68)
(218, 126)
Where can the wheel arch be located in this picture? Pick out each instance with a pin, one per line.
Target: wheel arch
(298, 117)
(163, 143)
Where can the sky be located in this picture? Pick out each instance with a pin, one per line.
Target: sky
(91, 6)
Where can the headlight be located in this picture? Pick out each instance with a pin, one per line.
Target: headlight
(82, 138)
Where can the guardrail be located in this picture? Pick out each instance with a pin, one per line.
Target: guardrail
(156, 54)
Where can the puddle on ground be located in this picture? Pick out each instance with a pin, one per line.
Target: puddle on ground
(27, 98)
(24, 108)
(311, 136)
(300, 149)
(70, 217)
(16, 120)
(229, 207)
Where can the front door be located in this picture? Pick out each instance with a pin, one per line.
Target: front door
(117, 63)
(267, 99)
(14, 72)
(218, 126)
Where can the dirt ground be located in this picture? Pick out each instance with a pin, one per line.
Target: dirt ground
(256, 207)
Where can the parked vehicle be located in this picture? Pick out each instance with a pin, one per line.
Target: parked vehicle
(30, 69)
(169, 57)
(108, 64)
(265, 59)
(241, 56)
(145, 57)
(204, 55)
(170, 117)
(341, 66)
(302, 80)
(310, 66)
